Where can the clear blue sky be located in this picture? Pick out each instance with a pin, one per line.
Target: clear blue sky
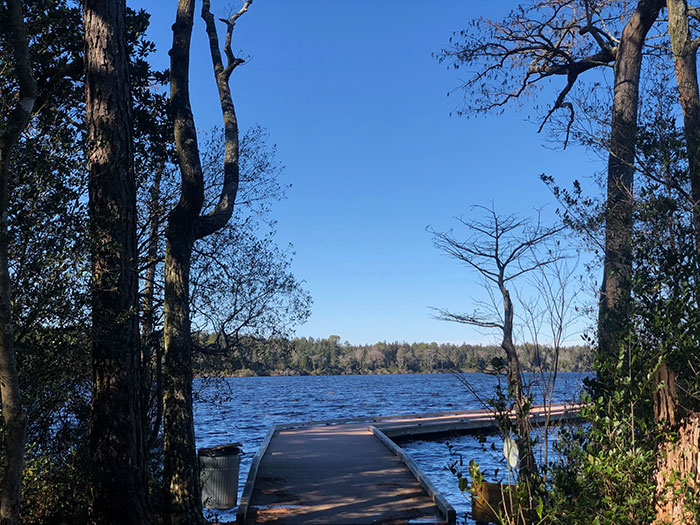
(357, 106)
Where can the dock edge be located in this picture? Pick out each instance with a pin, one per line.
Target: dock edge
(242, 512)
(442, 504)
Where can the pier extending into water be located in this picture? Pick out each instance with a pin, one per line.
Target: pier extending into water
(352, 470)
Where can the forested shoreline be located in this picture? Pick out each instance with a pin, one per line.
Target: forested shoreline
(138, 250)
(328, 356)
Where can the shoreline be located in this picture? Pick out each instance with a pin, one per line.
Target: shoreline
(283, 373)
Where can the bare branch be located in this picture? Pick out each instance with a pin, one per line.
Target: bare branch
(221, 213)
(232, 61)
(507, 59)
(694, 12)
(472, 320)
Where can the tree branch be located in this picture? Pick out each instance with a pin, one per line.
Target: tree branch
(22, 112)
(472, 320)
(220, 215)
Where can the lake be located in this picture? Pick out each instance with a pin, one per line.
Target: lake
(244, 408)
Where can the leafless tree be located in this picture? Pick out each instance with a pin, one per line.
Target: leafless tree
(501, 249)
(512, 58)
(548, 319)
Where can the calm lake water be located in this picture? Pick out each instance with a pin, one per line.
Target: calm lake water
(243, 409)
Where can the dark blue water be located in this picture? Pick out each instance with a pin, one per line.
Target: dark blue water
(243, 409)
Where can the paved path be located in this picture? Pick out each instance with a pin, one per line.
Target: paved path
(341, 473)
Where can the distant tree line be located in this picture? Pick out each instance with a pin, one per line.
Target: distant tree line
(309, 356)
(120, 225)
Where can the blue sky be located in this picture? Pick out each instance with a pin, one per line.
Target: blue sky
(359, 111)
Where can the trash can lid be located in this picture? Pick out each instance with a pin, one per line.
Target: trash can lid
(230, 449)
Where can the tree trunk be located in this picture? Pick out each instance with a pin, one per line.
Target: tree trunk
(180, 468)
(151, 354)
(617, 264)
(183, 499)
(665, 396)
(528, 465)
(677, 459)
(116, 441)
(677, 455)
(185, 225)
(678, 471)
(10, 395)
(685, 65)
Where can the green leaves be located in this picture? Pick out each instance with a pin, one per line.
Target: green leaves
(475, 472)
(463, 484)
(540, 508)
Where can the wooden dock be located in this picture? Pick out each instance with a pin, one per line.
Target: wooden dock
(352, 471)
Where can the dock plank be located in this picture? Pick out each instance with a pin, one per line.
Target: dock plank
(341, 472)
(336, 474)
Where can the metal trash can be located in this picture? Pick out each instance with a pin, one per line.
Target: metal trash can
(218, 475)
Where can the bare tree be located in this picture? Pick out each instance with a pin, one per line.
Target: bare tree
(186, 224)
(567, 38)
(10, 396)
(501, 249)
(548, 319)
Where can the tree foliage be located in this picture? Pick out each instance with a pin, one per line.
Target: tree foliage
(49, 252)
(330, 356)
(645, 227)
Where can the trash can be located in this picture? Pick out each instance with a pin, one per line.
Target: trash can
(218, 475)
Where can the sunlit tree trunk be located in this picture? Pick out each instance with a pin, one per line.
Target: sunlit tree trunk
(185, 226)
(677, 455)
(677, 459)
(685, 51)
(617, 264)
(116, 439)
(10, 395)
(181, 472)
(678, 467)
